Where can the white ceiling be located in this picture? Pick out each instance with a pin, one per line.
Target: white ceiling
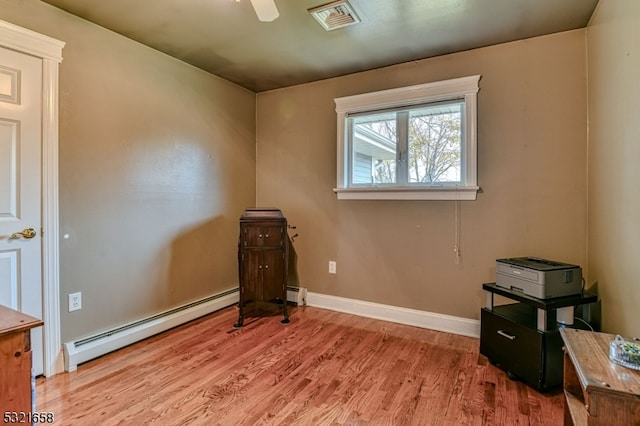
(225, 38)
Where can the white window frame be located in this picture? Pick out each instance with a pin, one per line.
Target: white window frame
(465, 87)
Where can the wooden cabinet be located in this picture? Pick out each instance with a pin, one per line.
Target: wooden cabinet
(15, 360)
(523, 337)
(263, 253)
(597, 391)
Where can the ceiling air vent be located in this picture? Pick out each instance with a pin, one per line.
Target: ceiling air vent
(334, 15)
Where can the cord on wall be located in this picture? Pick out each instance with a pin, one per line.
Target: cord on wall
(456, 234)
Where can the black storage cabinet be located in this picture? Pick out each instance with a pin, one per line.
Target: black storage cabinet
(523, 337)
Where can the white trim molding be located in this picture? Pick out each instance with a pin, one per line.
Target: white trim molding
(433, 321)
(30, 42)
(462, 193)
(50, 51)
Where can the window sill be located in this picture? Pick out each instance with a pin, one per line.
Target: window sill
(466, 193)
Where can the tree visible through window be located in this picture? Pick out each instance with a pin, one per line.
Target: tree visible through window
(418, 145)
(435, 145)
(415, 142)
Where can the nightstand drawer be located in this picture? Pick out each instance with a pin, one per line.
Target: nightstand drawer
(263, 236)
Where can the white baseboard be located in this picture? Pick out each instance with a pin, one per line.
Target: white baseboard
(414, 317)
(83, 350)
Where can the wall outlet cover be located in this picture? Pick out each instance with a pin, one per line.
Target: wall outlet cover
(75, 301)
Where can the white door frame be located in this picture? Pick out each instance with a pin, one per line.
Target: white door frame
(50, 51)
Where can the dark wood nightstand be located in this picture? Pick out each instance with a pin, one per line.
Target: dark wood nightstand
(263, 259)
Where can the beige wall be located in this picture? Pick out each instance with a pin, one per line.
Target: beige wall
(532, 170)
(613, 38)
(157, 162)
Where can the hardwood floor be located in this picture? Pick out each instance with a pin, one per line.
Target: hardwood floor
(324, 368)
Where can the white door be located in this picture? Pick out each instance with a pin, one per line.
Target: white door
(21, 189)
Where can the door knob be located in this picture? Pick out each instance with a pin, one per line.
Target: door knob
(27, 233)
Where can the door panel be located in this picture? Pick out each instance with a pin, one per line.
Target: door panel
(251, 276)
(9, 278)
(20, 188)
(273, 274)
(8, 159)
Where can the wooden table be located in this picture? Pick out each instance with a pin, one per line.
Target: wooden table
(15, 360)
(597, 390)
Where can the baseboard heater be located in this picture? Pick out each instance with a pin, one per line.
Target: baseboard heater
(82, 350)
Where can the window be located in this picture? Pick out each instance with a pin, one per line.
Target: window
(416, 142)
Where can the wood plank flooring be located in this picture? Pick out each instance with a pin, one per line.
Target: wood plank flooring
(324, 368)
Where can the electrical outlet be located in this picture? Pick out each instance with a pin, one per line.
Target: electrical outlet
(75, 301)
(332, 266)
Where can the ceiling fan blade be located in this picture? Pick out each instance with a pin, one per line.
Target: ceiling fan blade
(266, 10)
